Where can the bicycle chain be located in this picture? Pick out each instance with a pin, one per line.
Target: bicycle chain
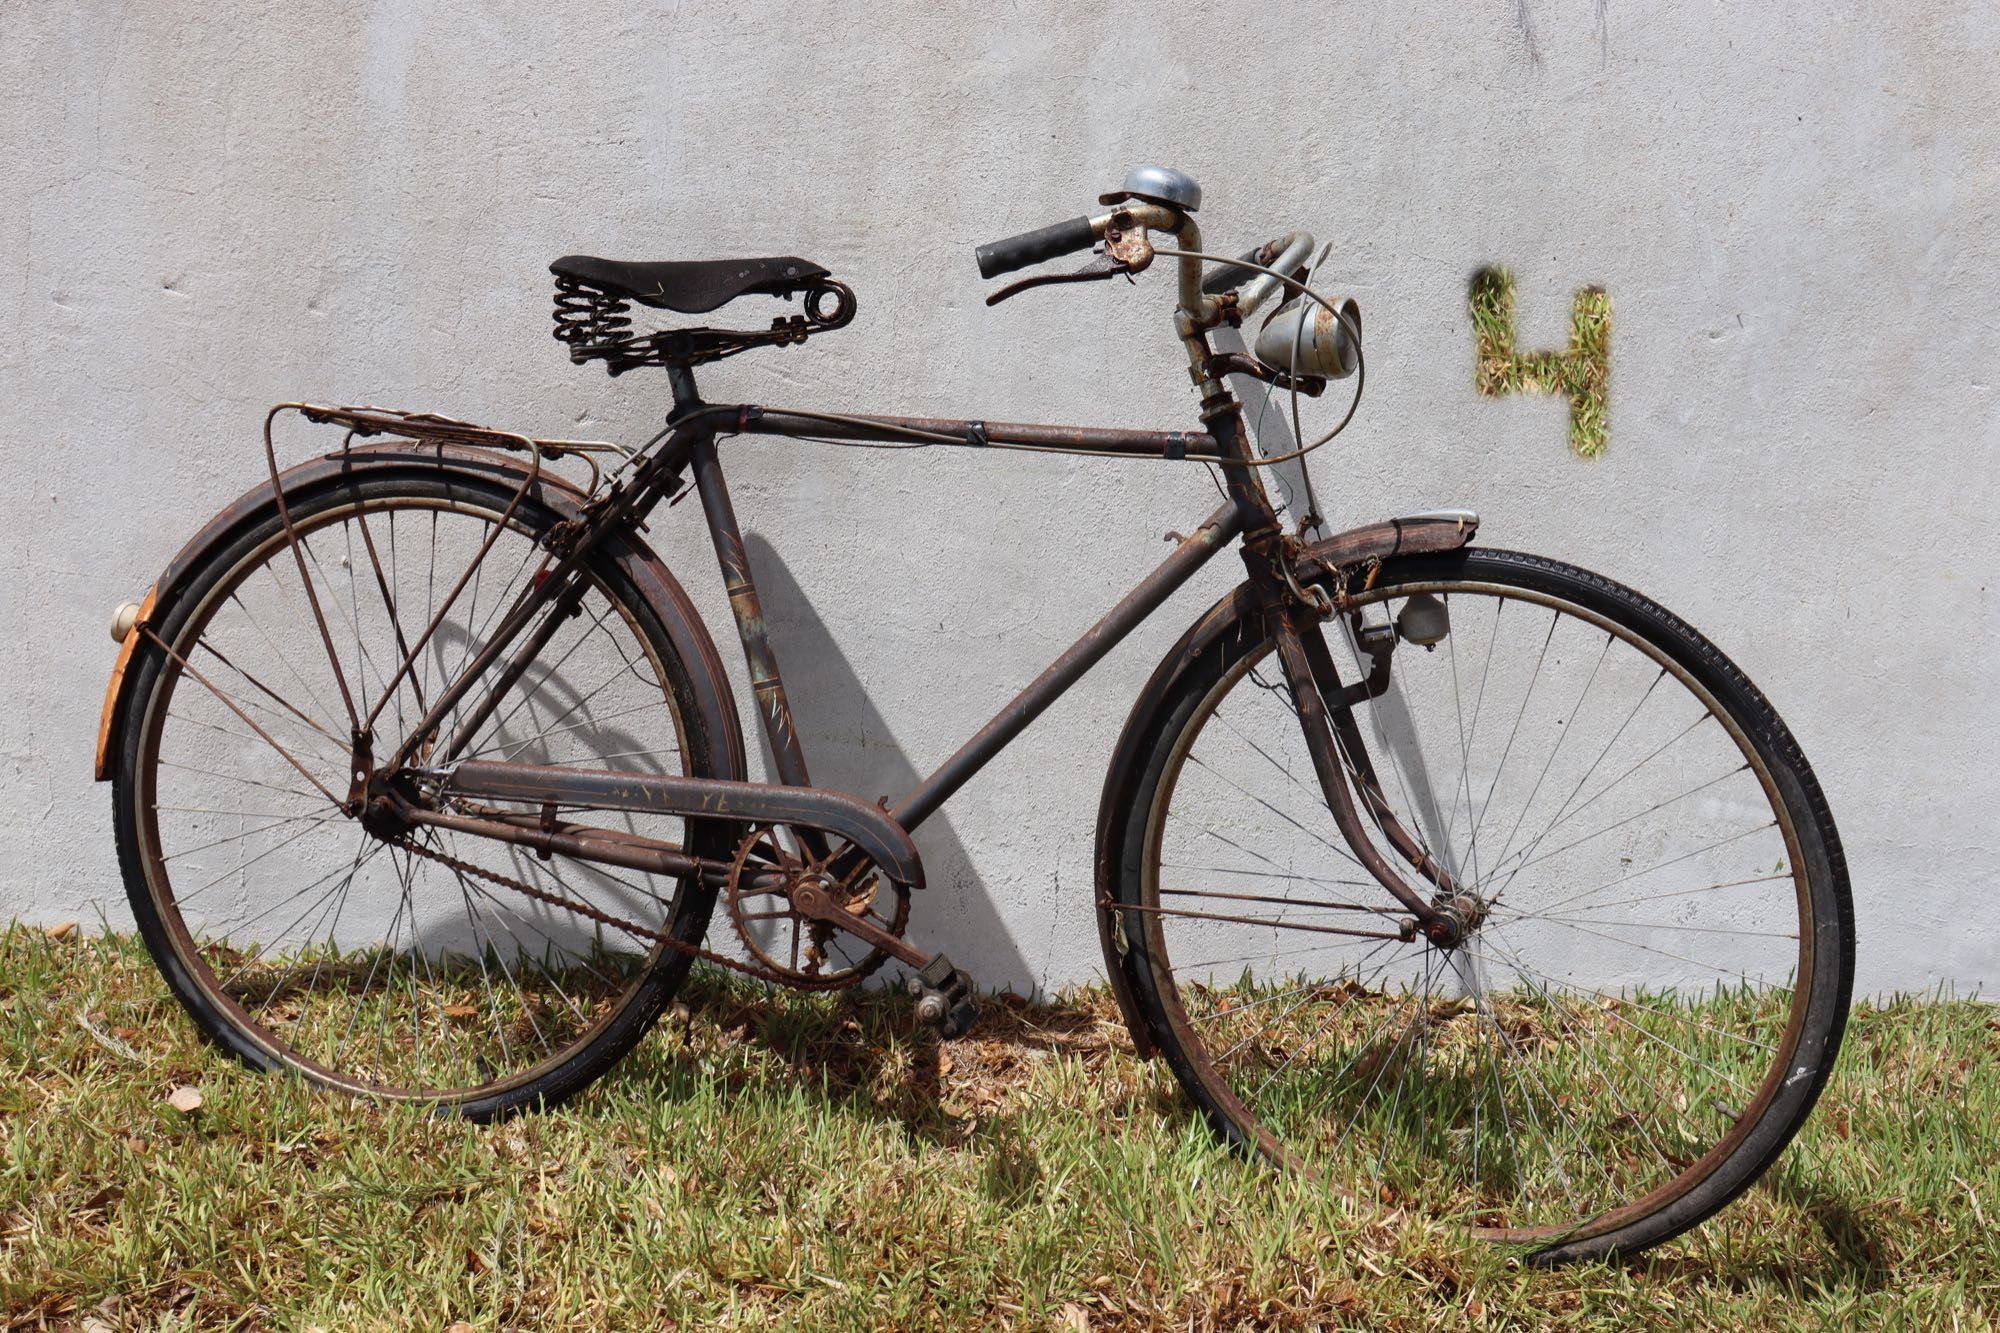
(582, 909)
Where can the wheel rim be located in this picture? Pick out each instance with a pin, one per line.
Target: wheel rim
(1494, 1035)
(362, 964)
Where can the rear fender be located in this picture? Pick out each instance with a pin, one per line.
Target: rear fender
(662, 592)
(1220, 629)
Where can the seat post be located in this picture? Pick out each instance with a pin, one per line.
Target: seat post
(686, 396)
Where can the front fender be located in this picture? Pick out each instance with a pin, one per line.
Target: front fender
(1413, 534)
(663, 592)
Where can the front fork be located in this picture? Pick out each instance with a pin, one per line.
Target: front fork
(1333, 738)
(1294, 612)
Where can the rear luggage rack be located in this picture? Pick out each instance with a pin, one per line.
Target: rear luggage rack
(431, 428)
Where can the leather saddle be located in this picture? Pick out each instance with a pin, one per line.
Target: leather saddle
(691, 287)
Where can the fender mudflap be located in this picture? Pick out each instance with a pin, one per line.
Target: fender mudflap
(114, 693)
(1412, 534)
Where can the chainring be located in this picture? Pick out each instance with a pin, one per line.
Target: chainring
(784, 944)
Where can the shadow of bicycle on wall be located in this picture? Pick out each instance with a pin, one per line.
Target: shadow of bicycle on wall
(849, 748)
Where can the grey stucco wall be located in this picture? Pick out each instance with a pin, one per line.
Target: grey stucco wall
(1793, 207)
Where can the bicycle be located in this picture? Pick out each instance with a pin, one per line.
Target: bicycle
(427, 779)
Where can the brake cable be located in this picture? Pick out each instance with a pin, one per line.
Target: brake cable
(922, 438)
(1353, 332)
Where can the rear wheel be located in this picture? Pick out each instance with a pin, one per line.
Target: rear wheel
(408, 963)
(1657, 954)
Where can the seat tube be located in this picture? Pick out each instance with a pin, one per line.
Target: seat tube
(774, 711)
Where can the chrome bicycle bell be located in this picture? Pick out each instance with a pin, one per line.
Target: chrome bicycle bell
(1302, 336)
(1157, 185)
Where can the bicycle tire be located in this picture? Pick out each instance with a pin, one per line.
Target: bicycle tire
(623, 579)
(1188, 690)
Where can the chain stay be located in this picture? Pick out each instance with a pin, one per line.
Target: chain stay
(582, 909)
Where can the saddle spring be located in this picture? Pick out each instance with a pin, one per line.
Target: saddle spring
(587, 318)
(597, 326)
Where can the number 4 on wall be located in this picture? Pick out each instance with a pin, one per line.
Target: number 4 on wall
(1582, 373)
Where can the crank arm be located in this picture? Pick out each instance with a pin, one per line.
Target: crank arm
(1313, 717)
(816, 903)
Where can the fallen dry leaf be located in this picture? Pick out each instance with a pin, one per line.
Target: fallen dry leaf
(63, 931)
(101, 1201)
(461, 1011)
(458, 1327)
(184, 1099)
(1076, 1317)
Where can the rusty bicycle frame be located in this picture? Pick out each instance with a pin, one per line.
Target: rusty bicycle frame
(1287, 577)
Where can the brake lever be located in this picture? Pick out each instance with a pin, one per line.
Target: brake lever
(1103, 267)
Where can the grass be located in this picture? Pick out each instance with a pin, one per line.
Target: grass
(812, 1163)
(1581, 372)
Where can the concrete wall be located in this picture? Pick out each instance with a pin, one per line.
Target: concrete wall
(1792, 206)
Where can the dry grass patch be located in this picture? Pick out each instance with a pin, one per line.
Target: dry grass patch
(1580, 372)
(789, 1161)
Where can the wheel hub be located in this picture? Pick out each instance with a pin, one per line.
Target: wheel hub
(1460, 916)
(382, 798)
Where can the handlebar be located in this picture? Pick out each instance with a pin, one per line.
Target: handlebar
(1196, 297)
(1228, 277)
(1032, 247)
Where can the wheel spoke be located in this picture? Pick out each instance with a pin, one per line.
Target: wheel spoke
(359, 957)
(1543, 1062)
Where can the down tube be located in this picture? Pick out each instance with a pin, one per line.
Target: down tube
(1216, 531)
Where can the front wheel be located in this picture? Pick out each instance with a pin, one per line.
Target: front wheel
(1657, 951)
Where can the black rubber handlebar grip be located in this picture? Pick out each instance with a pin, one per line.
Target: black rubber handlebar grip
(1032, 247)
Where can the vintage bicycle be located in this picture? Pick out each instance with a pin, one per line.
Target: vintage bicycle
(1463, 880)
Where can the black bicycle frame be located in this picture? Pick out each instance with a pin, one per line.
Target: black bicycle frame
(690, 447)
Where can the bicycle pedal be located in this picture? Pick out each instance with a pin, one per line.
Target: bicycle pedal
(944, 998)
